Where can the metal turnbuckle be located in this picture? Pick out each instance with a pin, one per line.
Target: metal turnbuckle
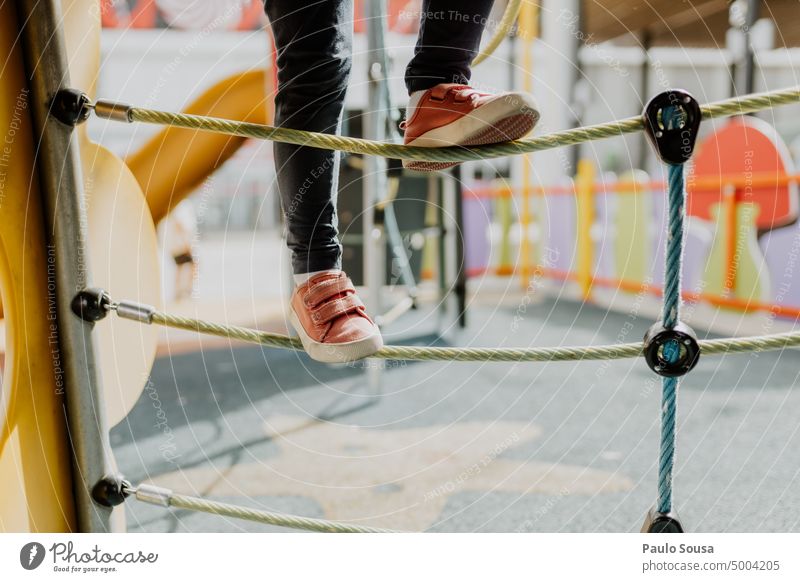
(71, 107)
(111, 490)
(671, 352)
(671, 122)
(660, 522)
(91, 304)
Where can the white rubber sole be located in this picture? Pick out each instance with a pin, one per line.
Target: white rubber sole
(335, 353)
(507, 118)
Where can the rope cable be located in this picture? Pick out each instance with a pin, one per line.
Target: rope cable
(728, 107)
(146, 314)
(504, 28)
(778, 341)
(671, 309)
(671, 313)
(160, 496)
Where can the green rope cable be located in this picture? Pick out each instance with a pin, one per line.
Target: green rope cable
(503, 30)
(735, 106)
(426, 353)
(160, 496)
(268, 517)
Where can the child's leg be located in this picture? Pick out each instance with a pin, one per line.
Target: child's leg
(442, 109)
(314, 41)
(449, 39)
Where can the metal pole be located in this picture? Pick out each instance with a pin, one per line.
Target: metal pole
(374, 168)
(62, 187)
(646, 42)
(576, 76)
(753, 9)
(460, 285)
(436, 193)
(555, 86)
(448, 248)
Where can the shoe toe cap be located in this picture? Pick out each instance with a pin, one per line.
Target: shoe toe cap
(351, 329)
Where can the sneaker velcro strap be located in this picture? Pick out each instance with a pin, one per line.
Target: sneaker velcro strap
(336, 308)
(326, 289)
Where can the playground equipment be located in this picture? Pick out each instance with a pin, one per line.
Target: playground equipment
(116, 213)
(171, 164)
(670, 348)
(55, 186)
(34, 450)
(85, 185)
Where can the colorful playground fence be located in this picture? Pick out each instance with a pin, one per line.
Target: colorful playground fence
(609, 234)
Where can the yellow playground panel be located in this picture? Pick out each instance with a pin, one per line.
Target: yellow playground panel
(123, 203)
(35, 462)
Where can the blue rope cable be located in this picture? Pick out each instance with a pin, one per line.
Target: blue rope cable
(671, 351)
(672, 273)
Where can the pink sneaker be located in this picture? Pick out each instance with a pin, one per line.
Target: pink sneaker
(450, 114)
(331, 320)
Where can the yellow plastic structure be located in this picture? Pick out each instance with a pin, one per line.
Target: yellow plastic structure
(528, 31)
(633, 222)
(35, 471)
(123, 249)
(736, 272)
(176, 161)
(584, 186)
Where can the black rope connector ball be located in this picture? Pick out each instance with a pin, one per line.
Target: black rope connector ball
(111, 490)
(91, 304)
(659, 522)
(671, 352)
(671, 122)
(71, 107)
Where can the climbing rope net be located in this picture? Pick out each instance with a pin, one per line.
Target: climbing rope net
(671, 121)
(123, 112)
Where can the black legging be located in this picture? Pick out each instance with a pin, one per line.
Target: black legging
(314, 43)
